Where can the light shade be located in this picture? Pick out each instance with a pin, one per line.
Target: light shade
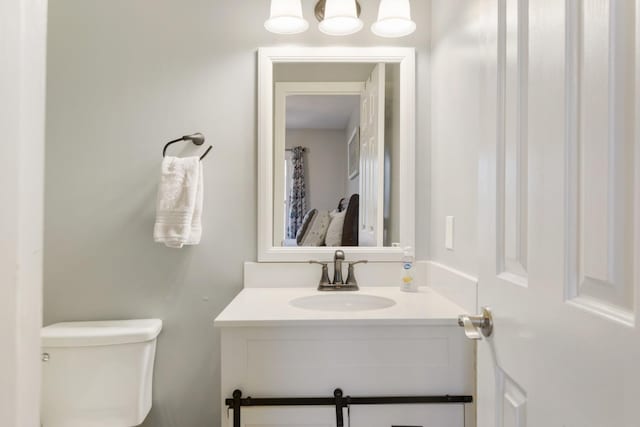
(340, 18)
(394, 19)
(286, 17)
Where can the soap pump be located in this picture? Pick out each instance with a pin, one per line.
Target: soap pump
(407, 282)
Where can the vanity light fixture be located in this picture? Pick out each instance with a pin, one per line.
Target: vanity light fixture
(341, 18)
(286, 17)
(394, 19)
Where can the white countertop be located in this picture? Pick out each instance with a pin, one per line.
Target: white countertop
(270, 307)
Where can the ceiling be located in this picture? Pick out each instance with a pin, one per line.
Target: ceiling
(320, 111)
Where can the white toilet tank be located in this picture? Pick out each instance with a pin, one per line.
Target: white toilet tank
(98, 374)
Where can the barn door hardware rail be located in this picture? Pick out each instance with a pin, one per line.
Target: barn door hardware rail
(338, 400)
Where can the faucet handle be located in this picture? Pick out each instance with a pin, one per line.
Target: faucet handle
(351, 276)
(324, 279)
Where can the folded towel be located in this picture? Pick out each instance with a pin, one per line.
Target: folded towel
(179, 203)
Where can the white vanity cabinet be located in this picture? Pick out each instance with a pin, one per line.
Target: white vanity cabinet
(414, 348)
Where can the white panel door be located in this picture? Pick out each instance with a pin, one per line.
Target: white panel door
(559, 215)
(372, 159)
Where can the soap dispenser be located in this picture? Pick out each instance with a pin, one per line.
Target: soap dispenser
(407, 282)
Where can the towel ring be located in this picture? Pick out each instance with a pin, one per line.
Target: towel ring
(196, 138)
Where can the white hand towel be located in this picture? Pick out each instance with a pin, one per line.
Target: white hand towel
(179, 203)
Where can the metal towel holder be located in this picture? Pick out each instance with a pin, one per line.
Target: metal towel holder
(196, 138)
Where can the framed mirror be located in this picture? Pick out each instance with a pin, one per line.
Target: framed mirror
(336, 144)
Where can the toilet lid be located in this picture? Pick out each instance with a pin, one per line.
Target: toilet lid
(83, 334)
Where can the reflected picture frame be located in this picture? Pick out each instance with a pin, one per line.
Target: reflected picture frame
(353, 154)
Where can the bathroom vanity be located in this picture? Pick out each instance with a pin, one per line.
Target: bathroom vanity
(298, 342)
(283, 338)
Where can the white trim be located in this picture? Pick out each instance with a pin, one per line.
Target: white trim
(352, 140)
(572, 94)
(636, 226)
(22, 123)
(602, 309)
(459, 287)
(282, 90)
(501, 102)
(267, 57)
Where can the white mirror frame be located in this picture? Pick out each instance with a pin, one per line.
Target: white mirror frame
(267, 57)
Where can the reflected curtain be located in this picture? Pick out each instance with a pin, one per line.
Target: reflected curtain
(297, 196)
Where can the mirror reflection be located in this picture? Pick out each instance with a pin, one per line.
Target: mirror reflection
(335, 146)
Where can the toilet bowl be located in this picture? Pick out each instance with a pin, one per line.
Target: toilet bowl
(98, 374)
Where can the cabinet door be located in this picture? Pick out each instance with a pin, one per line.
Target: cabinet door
(448, 415)
(302, 416)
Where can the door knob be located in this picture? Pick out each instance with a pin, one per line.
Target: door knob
(475, 325)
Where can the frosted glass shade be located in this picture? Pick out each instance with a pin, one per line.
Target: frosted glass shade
(394, 19)
(286, 17)
(340, 18)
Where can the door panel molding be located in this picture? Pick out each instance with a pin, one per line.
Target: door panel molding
(512, 141)
(511, 401)
(371, 183)
(602, 167)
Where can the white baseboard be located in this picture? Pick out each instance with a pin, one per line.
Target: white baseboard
(453, 284)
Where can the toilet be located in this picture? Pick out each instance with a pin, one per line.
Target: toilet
(98, 374)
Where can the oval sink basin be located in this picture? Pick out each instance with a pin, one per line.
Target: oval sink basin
(342, 302)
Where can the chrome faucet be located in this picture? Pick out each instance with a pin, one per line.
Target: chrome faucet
(338, 284)
(338, 257)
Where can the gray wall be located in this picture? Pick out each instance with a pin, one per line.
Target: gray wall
(325, 165)
(458, 100)
(392, 156)
(301, 72)
(124, 76)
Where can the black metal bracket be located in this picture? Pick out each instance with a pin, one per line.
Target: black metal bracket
(196, 138)
(338, 400)
(337, 394)
(237, 403)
